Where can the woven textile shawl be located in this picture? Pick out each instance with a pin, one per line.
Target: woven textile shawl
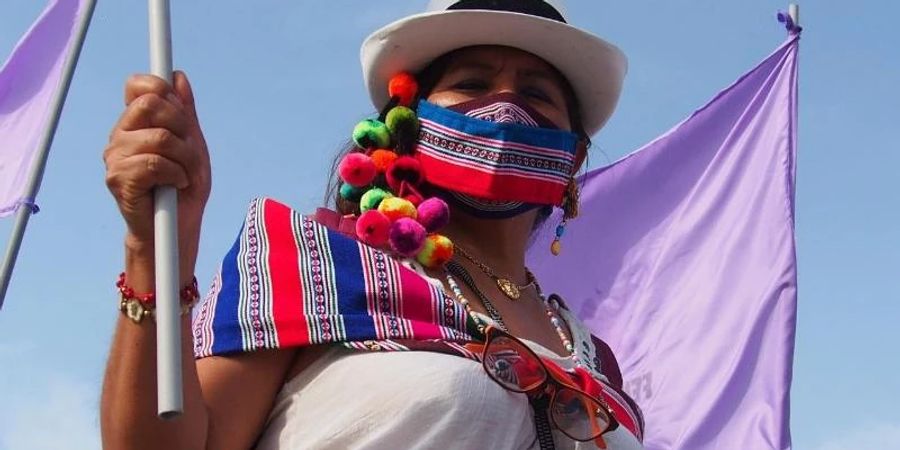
(289, 281)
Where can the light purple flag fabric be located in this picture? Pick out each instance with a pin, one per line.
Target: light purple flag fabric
(28, 82)
(683, 261)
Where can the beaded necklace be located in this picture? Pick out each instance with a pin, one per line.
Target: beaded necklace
(453, 268)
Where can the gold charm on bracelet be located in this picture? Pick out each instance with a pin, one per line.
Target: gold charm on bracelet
(134, 309)
(139, 306)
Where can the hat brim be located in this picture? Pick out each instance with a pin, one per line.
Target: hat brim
(594, 68)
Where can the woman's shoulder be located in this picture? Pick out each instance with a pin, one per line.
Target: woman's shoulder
(268, 212)
(607, 360)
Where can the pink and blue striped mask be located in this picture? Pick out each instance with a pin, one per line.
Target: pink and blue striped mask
(496, 155)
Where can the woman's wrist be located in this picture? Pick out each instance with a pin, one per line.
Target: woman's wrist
(140, 263)
(138, 306)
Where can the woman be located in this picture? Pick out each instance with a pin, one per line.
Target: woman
(496, 364)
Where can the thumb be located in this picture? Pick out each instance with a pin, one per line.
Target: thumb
(183, 89)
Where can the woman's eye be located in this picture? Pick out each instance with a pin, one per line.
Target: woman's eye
(538, 94)
(470, 85)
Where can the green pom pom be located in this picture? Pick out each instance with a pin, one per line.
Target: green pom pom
(402, 122)
(371, 133)
(372, 198)
(351, 193)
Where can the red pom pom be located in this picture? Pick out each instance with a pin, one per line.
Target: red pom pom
(373, 228)
(413, 198)
(383, 159)
(357, 170)
(405, 168)
(404, 86)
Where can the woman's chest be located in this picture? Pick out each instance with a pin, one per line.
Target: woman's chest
(347, 399)
(360, 400)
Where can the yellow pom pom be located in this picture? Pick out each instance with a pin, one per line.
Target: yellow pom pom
(396, 207)
(436, 252)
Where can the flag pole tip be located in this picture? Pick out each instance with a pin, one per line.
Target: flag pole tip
(791, 19)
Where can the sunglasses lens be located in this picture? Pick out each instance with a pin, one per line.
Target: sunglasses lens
(579, 416)
(512, 365)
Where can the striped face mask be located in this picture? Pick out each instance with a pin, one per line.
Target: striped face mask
(495, 157)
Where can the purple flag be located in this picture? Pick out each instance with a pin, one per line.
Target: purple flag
(28, 82)
(683, 261)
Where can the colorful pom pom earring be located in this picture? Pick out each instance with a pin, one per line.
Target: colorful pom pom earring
(570, 211)
(383, 178)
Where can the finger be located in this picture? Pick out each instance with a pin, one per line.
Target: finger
(152, 111)
(140, 84)
(137, 175)
(183, 90)
(158, 141)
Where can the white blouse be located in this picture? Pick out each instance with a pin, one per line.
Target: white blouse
(349, 399)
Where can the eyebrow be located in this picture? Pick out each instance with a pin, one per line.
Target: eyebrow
(474, 65)
(541, 74)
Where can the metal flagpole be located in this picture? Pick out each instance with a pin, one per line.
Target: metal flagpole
(794, 12)
(169, 395)
(25, 210)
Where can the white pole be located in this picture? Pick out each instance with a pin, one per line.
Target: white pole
(794, 12)
(165, 221)
(24, 211)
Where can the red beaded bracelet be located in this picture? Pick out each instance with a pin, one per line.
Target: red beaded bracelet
(138, 306)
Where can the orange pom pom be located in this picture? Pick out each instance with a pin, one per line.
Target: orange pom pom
(436, 252)
(383, 159)
(404, 86)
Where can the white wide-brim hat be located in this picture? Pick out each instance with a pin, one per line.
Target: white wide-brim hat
(594, 67)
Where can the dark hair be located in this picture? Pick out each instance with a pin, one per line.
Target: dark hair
(428, 78)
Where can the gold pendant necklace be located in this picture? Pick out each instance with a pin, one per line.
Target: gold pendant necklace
(510, 289)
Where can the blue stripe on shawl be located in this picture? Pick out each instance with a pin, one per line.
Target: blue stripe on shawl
(512, 132)
(351, 287)
(226, 326)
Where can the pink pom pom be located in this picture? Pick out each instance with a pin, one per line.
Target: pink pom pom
(357, 170)
(373, 228)
(405, 168)
(407, 237)
(434, 214)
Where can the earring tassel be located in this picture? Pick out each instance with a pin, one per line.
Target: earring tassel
(556, 246)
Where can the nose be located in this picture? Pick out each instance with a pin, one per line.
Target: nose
(505, 82)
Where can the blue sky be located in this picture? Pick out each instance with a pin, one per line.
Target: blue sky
(279, 87)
